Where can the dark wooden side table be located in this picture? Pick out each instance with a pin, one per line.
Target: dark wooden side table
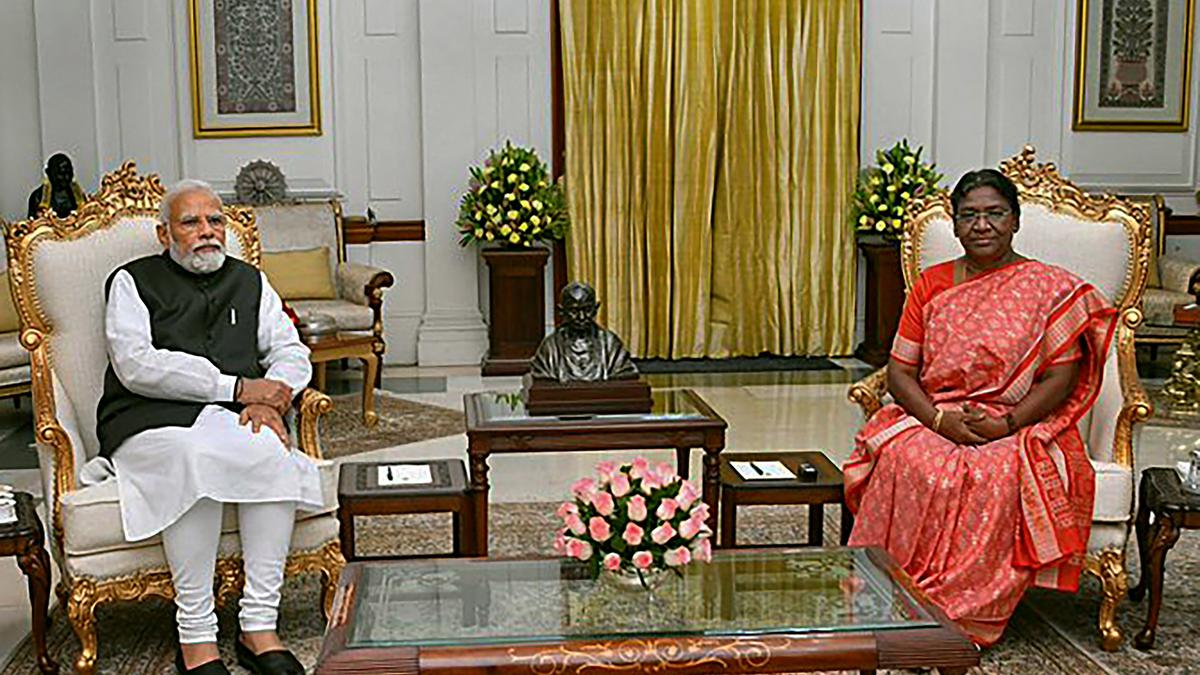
(23, 539)
(826, 489)
(1161, 495)
(360, 494)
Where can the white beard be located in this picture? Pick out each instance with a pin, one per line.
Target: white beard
(199, 263)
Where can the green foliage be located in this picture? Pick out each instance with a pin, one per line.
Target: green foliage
(881, 201)
(511, 201)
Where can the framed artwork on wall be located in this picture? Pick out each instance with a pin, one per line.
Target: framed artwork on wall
(254, 68)
(1133, 65)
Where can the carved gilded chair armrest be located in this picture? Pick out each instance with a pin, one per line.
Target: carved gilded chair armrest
(868, 392)
(311, 406)
(1135, 403)
(1178, 274)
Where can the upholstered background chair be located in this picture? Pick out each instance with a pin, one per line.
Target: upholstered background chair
(1105, 240)
(59, 267)
(14, 361)
(357, 304)
(1168, 284)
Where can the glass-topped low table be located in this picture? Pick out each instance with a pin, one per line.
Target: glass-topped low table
(749, 611)
(498, 423)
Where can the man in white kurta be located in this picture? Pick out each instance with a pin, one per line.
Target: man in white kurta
(187, 436)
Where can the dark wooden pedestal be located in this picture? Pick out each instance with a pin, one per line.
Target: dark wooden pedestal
(885, 299)
(518, 309)
(1161, 495)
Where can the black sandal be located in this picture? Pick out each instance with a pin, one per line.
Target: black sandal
(274, 662)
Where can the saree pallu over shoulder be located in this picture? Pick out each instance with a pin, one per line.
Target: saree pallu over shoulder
(986, 341)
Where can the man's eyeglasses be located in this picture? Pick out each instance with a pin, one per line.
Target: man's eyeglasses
(993, 217)
(215, 221)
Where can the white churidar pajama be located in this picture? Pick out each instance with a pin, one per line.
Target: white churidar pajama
(174, 480)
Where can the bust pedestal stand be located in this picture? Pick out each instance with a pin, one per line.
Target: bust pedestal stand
(550, 397)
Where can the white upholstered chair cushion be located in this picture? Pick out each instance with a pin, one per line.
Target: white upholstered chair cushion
(1114, 493)
(92, 516)
(309, 534)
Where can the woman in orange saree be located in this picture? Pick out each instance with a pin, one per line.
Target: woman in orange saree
(976, 479)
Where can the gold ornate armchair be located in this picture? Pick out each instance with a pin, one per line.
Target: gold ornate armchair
(1105, 240)
(58, 268)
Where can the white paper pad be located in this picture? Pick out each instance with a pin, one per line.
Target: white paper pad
(405, 474)
(756, 470)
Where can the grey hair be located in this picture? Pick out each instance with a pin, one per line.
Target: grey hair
(178, 190)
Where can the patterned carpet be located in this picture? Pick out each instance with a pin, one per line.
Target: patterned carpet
(1051, 634)
(400, 421)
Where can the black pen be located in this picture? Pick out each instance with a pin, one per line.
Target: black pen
(756, 469)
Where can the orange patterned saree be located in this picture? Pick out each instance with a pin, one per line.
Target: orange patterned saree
(975, 526)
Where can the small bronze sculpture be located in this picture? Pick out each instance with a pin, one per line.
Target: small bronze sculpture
(58, 190)
(580, 350)
(581, 368)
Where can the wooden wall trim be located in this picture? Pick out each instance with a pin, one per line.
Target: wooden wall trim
(358, 230)
(1183, 225)
(558, 143)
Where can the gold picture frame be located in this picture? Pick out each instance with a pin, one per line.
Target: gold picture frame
(1133, 62)
(227, 100)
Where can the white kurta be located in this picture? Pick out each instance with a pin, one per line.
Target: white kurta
(162, 472)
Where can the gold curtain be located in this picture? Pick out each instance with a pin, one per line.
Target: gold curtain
(711, 152)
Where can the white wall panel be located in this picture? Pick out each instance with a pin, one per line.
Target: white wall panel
(21, 157)
(510, 16)
(378, 107)
(129, 20)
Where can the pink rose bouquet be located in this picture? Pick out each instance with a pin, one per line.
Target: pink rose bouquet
(634, 518)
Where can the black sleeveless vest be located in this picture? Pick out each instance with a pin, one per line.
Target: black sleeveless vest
(210, 315)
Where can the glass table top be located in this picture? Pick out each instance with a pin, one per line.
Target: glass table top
(507, 407)
(444, 602)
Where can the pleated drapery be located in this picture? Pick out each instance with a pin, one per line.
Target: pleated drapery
(712, 149)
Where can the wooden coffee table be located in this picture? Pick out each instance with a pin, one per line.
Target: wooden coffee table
(497, 422)
(826, 488)
(339, 346)
(749, 611)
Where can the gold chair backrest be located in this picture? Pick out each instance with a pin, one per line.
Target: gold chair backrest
(1104, 239)
(58, 268)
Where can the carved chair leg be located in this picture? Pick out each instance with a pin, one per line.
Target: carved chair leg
(331, 575)
(1114, 584)
(81, 610)
(231, 578)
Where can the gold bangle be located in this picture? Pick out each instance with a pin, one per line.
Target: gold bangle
(937, 420)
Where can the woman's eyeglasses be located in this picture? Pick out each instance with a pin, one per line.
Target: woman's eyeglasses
(993, 217)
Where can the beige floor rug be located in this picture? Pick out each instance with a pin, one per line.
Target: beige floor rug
(1051, 634)
(400, 421)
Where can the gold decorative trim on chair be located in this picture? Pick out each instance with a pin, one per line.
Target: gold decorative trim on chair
(1041, 184)
(125, 193)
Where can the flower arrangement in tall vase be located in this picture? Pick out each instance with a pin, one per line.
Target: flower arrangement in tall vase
(879, 208)
(512, 207)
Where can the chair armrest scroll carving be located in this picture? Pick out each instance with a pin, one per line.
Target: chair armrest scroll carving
(868, 392)
(1177, 274)
(311, 406)
(1136, 406)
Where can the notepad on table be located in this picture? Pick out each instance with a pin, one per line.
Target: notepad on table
(405, 474)
(755, 470)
